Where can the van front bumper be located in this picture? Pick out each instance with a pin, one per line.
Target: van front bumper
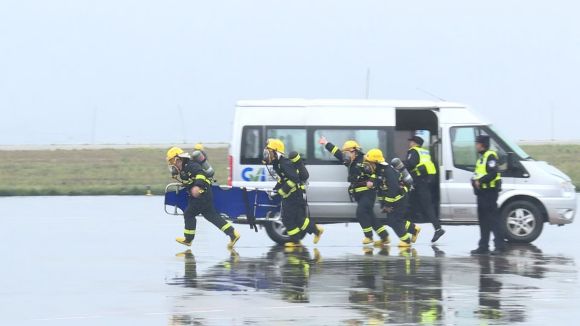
(561, 210)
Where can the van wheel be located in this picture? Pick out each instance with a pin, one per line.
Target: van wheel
(278, 233)
(522, 221)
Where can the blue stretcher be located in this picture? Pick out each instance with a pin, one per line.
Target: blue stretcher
(238, 204)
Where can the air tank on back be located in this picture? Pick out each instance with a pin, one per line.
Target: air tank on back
(399, 166)
(200, 157)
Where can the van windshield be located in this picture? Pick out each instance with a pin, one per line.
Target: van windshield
(514, 147)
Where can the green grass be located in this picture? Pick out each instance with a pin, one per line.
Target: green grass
(133, 171)
(564, 157)
(91, 172)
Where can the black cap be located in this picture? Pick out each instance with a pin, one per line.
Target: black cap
(482, 139)
(418, 140)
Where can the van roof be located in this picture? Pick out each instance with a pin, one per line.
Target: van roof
(298, 102)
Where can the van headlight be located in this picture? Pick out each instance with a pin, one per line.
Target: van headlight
(568, 189)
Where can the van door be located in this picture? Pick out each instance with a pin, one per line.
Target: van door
(458, 201)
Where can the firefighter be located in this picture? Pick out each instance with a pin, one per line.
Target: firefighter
(292, 190)
(423, 170)
(200, 198)
(371, 167)
(361, 189)
(393, 199)
(487, 185)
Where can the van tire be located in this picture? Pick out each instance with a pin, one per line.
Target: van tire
(277, 232)
(522, 221)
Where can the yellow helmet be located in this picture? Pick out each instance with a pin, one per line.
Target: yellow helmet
(198, 147)
(375, 155)
(350, 144)
(276, 145)
(173, 152)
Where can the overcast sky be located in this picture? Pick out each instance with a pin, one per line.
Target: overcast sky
(120, 71)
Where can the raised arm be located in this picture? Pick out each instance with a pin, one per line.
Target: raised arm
(330, 147)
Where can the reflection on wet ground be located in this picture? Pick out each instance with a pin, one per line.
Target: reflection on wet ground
(113, 261)
(387, 285)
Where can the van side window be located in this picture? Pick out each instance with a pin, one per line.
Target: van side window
(251, 145)
(294, 138)
(463, 146)
(367, 139)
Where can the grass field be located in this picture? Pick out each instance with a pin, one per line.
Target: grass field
(133, 171)
(91, 172)
(564, 157)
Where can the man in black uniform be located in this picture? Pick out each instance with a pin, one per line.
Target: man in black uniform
(393, 199)
(487, 185)
(423, 170)
(200, 199)
(361, 189)
(291, 189)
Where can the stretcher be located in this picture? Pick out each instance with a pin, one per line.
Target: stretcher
(238, 204)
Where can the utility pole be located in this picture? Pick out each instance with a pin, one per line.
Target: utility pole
(368, 83)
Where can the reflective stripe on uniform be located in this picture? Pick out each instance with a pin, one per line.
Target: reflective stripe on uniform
(227, 226)
(405, 237)
(392, 200)
(305, 225)
(296, 159)
(360, 189)
(191, 232)
(407, 225)
(334, 150)
(481, 169)
(369, 229)
(202, 177)
(285, 194)
(381, 229)
(294, 231)
(424, 160)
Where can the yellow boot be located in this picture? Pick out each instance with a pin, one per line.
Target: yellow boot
(186, 253)
(317, 256)
(291, 244)
(236, 236)
(416, 235)
(367, 241)
(369, 251)
(317, 236)
(183, 241)
(404, 244)
(382, 242)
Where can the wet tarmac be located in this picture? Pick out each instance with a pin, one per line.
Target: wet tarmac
(113, 261)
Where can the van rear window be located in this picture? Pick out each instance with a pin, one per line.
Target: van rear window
(252, 145)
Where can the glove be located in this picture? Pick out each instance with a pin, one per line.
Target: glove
(387, 209)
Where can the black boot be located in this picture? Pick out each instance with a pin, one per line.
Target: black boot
(480, 251)
(438, 234)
